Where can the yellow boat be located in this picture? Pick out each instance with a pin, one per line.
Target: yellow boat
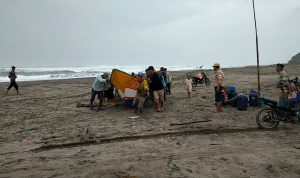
(125, 83)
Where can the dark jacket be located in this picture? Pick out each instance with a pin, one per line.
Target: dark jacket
(156, 83)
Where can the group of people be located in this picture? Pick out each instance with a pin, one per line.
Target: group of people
(157, 84)
(218, 85)
(153, 84)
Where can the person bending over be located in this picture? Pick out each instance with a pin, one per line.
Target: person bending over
(98, 89)
(142, 93)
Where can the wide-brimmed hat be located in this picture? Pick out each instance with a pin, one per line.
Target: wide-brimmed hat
(13, 67)
(216, 65)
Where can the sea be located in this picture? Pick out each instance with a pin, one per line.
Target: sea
(37, 74)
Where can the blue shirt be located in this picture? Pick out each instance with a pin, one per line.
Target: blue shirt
(99, 84)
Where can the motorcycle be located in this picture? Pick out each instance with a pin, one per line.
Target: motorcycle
(200, 81)
(270, 117)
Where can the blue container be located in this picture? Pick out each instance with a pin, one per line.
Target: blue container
(232, 99)
(298, 96)
(242, 102)
(253, 98)
(231, 89)
(283, 103)
(293, 101)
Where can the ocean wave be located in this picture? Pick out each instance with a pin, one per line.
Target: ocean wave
(36, 74)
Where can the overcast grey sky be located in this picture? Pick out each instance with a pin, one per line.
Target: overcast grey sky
(51, 33)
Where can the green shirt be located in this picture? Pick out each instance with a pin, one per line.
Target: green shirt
(283, 78)
(282, 83)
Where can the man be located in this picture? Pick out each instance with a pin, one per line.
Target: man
(168, 80)
(282, 83)
(142, 92)
(109, 93)
(12, 76)
(219, 77)
(157, 87)
(148, 76)
(163, 77)
(98, 89)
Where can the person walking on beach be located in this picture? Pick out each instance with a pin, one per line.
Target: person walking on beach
(98, 89)
(157, 87)
(188, 85)
(168, 80)
(142, 92)
(282, 83)
(12, 75)
(219, 78)
(148, 78)
(162, 77)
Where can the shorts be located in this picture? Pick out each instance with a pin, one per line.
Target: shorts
(159, 95)
(218, 95)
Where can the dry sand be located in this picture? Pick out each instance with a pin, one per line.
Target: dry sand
(43, 134)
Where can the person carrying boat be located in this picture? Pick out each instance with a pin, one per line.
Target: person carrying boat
(142, 93)
(157, 87)
(98, 89)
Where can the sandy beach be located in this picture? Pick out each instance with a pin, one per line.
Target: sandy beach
(44, 134)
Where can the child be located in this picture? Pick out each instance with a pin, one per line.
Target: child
(188, 84)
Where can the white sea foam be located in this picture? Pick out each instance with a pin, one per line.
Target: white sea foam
(36, 74)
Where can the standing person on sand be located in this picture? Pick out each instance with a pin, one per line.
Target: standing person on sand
(12, 76)
(168, 80)
(157, 87)
(148, 78)
(98, 89)
(282, 83)
(188, 85)
(219, 78)
(162, 77)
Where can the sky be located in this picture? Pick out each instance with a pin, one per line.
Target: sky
(56, 33)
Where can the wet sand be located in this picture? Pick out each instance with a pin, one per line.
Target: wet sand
(44, 134)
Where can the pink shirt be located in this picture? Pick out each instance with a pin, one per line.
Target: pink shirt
(219, 77)
(188, 84)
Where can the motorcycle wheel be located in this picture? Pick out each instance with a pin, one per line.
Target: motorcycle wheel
(207, 82)
(267, 119)
(195, 82)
